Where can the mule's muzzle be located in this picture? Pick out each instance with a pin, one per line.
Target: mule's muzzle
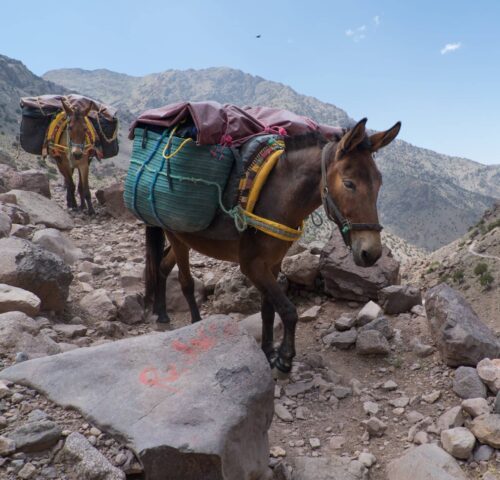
(367, 249)
(77, 154)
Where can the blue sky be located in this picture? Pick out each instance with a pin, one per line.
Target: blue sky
(387, 60)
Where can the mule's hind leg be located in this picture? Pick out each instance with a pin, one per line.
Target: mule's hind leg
(181, 252)
(158, 265)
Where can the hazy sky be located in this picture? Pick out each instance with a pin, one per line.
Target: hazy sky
(434, 65)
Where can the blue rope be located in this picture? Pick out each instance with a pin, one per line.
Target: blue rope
(151, 197)
(139, 174)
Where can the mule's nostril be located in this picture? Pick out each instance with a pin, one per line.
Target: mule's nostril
(365, 255)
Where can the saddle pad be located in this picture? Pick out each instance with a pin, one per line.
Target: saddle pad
(174, 183)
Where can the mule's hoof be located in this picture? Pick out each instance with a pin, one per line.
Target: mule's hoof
(278, 374)
(280, 370)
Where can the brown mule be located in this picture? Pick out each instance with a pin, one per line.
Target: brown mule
(342, 174)
(73, 153)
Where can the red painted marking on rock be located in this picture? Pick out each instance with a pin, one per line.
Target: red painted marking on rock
(201, 343)
(150, 376)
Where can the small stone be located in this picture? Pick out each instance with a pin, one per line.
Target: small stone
(389, 385)
(342, 340)
(382, 325)
(400, 402)
(468, 384)
(414, 416)
(421, 438)
(310, 314)
(483, 453)
(4, 390)
(452, 418)
(277, 451)
(315, 443)
(21, 357)
(368, 313)
(120, 459)
(17, 398)
(301, 413)
(277, 391)
(95, 431)
(282, 413)
(372, 342)
(489, 372)
(375, 426)
(7, 446)
(36, 436)
(476, 406)
(458, 442)
(341, 392)
(496, 405)
(27, 471)
(370, 408)
(345, 322)
(431, 397)
(336, 442)
(367, 459)
(486, 428)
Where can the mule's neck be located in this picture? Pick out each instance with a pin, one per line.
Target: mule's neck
(294, 188)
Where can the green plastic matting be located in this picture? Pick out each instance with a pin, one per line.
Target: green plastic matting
(180, 193)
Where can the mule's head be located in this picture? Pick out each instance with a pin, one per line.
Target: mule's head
(353, 182)
(76, 129)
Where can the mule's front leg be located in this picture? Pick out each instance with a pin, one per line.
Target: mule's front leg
(70, 194)
(267, 313)
(264, 279)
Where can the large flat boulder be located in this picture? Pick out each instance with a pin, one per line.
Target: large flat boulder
(345, 280)
(35, 269)
(426, 462)
(461, 338)
(42, 210)
(30, 180)
(192, 403)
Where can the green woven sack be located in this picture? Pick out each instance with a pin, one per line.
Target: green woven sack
(173, 183)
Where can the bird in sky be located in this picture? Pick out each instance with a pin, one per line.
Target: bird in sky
(257, 36)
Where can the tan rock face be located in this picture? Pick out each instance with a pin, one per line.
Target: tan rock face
(458, 442)
(486, 428)
(17, 299)
(489, 372)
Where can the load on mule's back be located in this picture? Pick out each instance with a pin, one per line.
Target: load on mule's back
(72, 130)
(275, 168)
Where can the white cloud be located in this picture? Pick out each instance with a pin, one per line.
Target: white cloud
(376, 20)
(450, 47)
(356, 34)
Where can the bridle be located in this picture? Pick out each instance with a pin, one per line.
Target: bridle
(84, 147)
(333, 212)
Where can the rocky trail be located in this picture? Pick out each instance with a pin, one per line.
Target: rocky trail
(374, 391)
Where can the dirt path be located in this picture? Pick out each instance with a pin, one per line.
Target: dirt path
(482, 255)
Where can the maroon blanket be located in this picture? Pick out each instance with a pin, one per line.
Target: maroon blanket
(231, 125)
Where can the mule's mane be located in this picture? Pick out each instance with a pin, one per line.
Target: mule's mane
(310, 139)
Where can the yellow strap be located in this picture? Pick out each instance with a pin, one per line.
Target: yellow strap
(260, 179)
(274, 229)
(60, 118)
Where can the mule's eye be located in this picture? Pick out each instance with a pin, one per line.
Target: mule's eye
(349, 185)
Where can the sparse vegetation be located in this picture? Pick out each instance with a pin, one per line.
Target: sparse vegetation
(486, 279)
(493, 225)
(458, 276)
(481, 268)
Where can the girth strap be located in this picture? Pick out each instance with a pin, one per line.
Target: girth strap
(333, 212)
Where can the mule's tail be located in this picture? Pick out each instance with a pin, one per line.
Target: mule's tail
(155, 245)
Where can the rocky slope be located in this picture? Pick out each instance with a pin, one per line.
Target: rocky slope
(471, 264)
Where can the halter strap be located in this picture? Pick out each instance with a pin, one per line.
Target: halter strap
(333, 212)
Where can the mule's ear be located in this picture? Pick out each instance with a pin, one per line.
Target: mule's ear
(66, 106)
(353, 137)
(382, 139)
